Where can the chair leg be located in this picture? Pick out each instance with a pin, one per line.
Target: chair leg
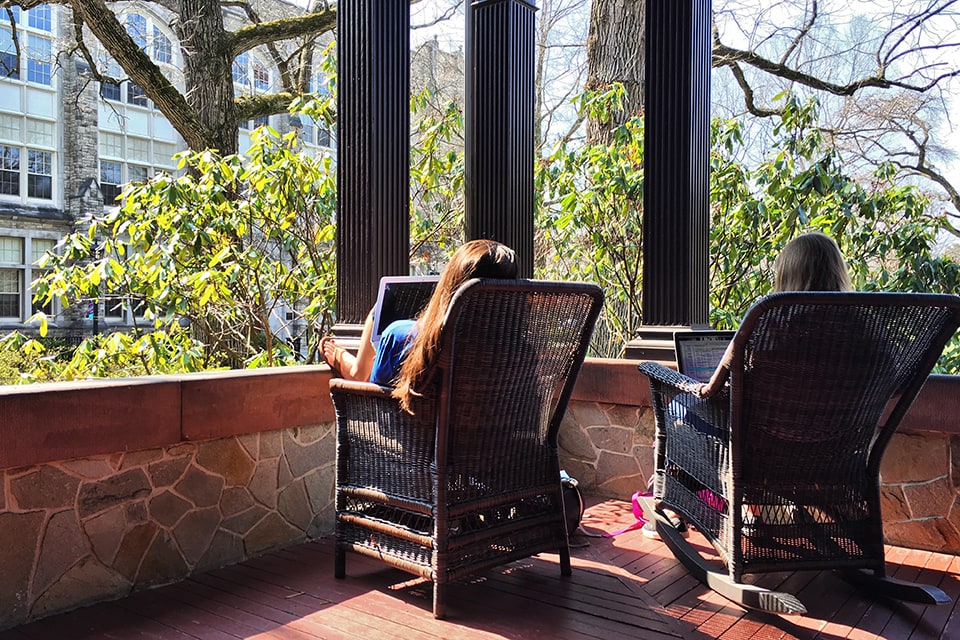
(747, 595)
(896, 589)
(439, 601)
(339, 562)
(565, 569)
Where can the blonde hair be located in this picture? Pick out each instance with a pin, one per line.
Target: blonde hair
(811, 262)
(475, 259)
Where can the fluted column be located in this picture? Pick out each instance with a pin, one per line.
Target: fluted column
(498, 122)
(373, 159)
(676, 223)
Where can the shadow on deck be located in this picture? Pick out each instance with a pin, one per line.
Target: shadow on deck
(624, 587)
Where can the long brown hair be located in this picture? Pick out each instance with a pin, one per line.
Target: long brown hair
(811, 262)
(475, 259)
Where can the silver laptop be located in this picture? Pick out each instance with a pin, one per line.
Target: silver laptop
(699, 352)
(400, 298)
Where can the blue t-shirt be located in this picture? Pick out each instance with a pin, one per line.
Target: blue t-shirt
(394, 344)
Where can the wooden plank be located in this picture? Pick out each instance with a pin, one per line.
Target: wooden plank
(189, 620)
(305, 611)
(627, 586)
(103, 621)
(233, 607)
(879, 612)
(940, 570)
(907, 614)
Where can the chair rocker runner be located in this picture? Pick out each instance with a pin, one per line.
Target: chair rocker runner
(471, 479)
(781, 471)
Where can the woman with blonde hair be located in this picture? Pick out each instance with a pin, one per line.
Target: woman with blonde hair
(408, 347)
(809, 262)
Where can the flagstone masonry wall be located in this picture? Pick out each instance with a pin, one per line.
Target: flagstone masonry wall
(98, 526)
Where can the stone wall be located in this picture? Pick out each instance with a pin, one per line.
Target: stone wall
(96, 528)
(112, 486)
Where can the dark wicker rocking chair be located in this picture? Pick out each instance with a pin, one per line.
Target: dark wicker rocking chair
(471, 480)
(781, 472)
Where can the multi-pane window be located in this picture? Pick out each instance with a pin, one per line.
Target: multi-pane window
(39, 174)
(38, 59)
(163, 153)
(125, 159)
(138, 174)
(38, 248)
(40, 17)
(162, 49)
(10, 293)
(9, 67)
(40, 132)
(262, 121)
(11, 277)
(110, 90)
(121, 309)
(9, 170)
(137, 28)
(324, 139)
(26, 54)
(111, 181)
(240, 64)
(135, 95)
(261, 77)
(138, 149)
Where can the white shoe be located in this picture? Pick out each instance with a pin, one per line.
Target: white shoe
(649, 530)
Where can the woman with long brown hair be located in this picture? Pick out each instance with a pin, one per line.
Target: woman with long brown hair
(408, 347)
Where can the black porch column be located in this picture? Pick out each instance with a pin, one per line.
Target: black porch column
(373, 159)
(498, 122)
(676, 222)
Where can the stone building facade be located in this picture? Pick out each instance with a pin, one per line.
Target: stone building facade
(69, 144)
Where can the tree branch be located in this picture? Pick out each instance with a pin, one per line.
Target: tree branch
(255, 35)
(141, 69)
(724, 56)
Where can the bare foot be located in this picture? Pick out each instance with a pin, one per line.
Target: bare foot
(332, 354)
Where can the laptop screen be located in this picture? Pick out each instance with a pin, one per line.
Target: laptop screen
(699, 352)
(400, 298)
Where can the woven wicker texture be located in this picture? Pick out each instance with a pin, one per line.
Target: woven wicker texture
(472, 479)
(781, 471)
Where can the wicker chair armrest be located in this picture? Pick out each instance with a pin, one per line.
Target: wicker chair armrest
(382, 448)
(360, 388)
(656, 372)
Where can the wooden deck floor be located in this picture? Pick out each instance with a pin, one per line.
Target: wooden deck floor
(625, 587)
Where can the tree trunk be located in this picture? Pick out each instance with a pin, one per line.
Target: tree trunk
(615, 53)
(208, 69)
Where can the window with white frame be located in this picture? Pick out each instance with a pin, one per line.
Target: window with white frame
(34, 35)
(151, 36)
(39, 247)
(135, 143)
(162, 47)
(250, 76)
(11, 277)
(111, 181)
(127, 158)
(27, 153)
(19, 268)
(28, 135)
(9, 64)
